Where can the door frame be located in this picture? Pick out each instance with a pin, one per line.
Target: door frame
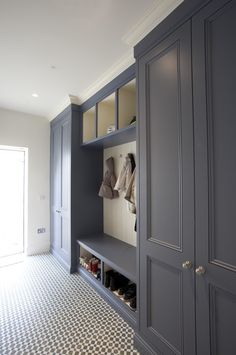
(25, 192)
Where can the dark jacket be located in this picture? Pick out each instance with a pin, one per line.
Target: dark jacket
(109, 181)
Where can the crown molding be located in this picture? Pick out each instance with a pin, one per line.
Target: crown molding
(151, 18)
(68, 100)
(117, 68)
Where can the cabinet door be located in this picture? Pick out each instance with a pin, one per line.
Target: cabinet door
(166, 201)
(214, 73)
(65, 242)
(61, 190)
(55, 187)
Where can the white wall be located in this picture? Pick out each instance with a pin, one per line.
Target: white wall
(24, 130)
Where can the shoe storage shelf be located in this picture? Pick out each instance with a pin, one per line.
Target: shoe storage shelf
(116, 255)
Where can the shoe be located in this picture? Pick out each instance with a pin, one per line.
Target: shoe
(117, 281)
(133, 303)
(98, 275)
(122, 290)
(114, 281)
(130, 293)
(108, 278)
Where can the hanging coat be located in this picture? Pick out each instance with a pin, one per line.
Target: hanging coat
(109, 180)
(125, 174)
(130, 195)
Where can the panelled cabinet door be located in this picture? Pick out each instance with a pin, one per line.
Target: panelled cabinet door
(60, 185)
(214, 73)
(56, 187)
(166, 198)
(65, 243)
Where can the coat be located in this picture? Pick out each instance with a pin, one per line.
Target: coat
(109, 180)
(125, 174)
(130, 195)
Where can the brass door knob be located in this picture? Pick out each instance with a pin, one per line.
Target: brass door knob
(200, 270)
(187, 264)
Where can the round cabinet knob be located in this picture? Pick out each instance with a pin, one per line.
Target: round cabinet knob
(187, 264)
(200, 270)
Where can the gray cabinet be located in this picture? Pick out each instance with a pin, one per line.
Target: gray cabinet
(60, 189)
(187, 193)
(214, 58)
(166, 202)
(76, 175)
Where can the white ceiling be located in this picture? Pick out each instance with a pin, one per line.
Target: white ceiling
(63, 49)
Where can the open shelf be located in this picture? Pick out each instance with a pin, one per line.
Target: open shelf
(115, 253)
(120, 136)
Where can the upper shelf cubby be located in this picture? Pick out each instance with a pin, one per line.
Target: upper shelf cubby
(127, 104)
(109, 119)
(106, 115)
(89, 124)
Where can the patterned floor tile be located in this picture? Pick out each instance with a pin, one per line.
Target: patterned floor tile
(44, 310)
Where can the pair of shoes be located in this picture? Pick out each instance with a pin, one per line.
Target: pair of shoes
(117, 281)
(114, 280)
(132, 304)
(130, 293)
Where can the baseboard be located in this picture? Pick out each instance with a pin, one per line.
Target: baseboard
(143, 347)
(66, 266)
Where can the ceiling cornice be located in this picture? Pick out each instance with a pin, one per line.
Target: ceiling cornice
(117, 68)
(151, 18)
(68, 100)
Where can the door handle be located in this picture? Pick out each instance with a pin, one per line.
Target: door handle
(58, 211)
(200, 270)
(187, 264)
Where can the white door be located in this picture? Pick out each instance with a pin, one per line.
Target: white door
(12, 191)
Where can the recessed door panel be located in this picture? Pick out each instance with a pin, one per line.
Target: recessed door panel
(221, 77)
(165, 294)
(165, 148)
(223, 321)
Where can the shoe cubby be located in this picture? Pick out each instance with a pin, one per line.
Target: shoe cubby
(106, 116)
(127, 105)
(90, 263)
(123, 288)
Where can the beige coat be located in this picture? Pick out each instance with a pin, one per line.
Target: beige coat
(109, 180)
(124, 176)
(130, 195)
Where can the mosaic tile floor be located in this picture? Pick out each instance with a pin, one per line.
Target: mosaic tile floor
(44, 310)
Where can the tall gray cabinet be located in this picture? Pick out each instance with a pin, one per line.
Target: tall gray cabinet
(60, 189)
(187, 173)
(73, 183)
